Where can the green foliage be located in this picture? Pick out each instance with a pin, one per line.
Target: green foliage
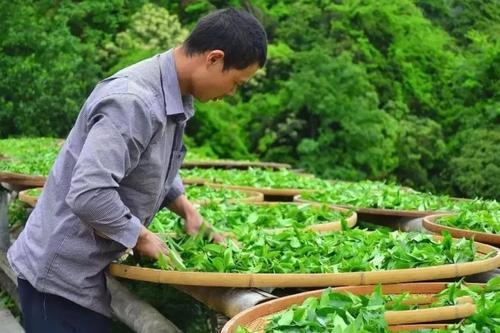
(335, 312)
(193, 192)
(256, 177)
(152, 30)
(186, 313)
(17, 214)
(368, 194)
(29, 156)
(475, 85)
(231, 217)
(207, 193)
(35, 192)
(421, 151)
(301, 251)
(45, 72)
(196, 152)
(475, 166)
(352, 89)
(459, 17)
(338, 108)
(35, 156)
(484, 221)
(217, 125)
(342, 312)
(6, 302)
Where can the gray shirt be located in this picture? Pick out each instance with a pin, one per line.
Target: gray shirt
(118, 166)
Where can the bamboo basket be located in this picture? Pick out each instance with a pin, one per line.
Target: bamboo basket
(21, 181)
(257, 317)
(429, 223)
(194, 181)
(320, 227)
(227, 301)
(28, 199)
(378, 211)
(259, 280)
(250, 196)
(286, 194)
(229, 164)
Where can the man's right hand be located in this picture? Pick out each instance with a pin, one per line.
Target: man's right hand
(149, 244)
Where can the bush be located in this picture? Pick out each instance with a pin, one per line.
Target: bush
(45, 75)
(474, 167)
(152, 30)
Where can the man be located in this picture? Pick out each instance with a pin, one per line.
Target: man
(118, 166)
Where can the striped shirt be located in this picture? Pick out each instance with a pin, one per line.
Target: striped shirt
(118, 167)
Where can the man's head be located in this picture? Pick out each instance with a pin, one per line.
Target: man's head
(230, 46)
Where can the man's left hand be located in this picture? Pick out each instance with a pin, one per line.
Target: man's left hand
(193, 220)
(194, 223)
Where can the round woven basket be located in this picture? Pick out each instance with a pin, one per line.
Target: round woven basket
(289, 280)
(284, 193)
(320, 227)
(257, 317)
(228, 164)
(250, 196)
(429, 223)
(194, 181)
(377, 211)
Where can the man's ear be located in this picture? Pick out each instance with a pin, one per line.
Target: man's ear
(215, 56)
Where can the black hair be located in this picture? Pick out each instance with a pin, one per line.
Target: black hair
(238, 33)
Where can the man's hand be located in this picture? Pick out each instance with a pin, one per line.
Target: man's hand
(149, 244)
(193, 221)
(194, 224)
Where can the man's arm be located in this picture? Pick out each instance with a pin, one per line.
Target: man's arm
(193, 220)
(113, 146)
(149, 244)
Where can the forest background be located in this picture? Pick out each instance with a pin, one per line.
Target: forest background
(405, 91)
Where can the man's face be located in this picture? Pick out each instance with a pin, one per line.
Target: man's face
(212, 83)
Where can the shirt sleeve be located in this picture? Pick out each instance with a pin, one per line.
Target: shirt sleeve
(120, 128)
(176, 190)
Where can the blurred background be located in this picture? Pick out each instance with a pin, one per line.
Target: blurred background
(406, 90)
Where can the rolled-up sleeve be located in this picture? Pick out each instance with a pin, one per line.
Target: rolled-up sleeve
(120, 128)
(176, 190)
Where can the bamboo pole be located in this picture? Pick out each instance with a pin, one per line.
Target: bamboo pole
(135, 313)
(8, 323)
(8, 279)
(228, 301)
(128, 308)
(4, 222)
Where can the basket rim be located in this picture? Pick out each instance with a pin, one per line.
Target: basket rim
(272, 307)
(250, 280)
(429, 223)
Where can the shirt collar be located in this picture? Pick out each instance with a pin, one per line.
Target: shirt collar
(175, 103)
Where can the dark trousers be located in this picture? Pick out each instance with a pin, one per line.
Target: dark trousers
(47, 313)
